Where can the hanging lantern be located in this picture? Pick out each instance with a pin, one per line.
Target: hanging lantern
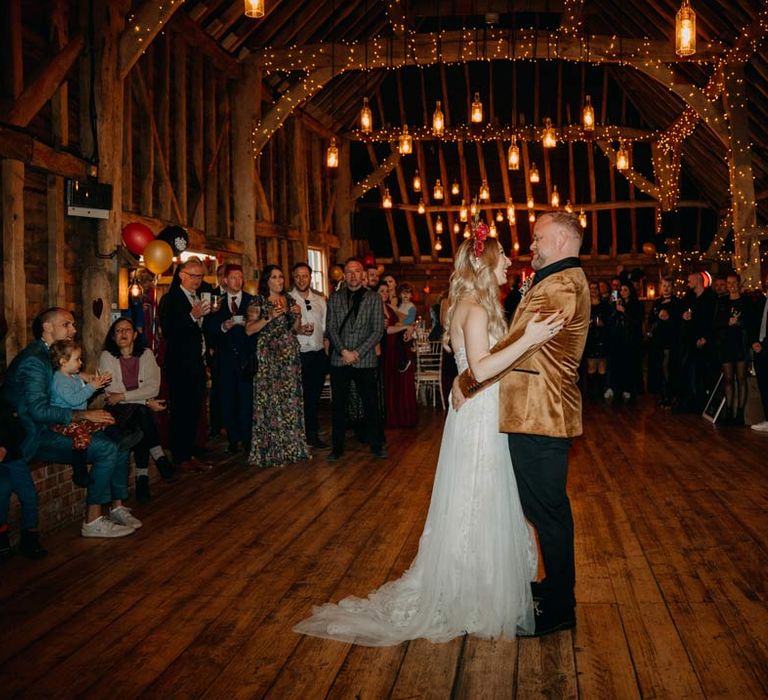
(511, 213)
(588, 115)
(685, 30)
(530, 202)
(406, 142)
(582, 219)
(254, 9)
(516, 246)
(622, 158)
(548, 136)
(477, 109)
(513, 156)
(463, 212)
(416, 181)
(439, 225)
(492, 232)
(438, 121)
(135, 290)
(531, 216)
(473, 209)
(499, 216)
(456, 228)
(437, 193)
(455, 188)
(467, 231)
(366, 118)
(533, 176)
(438, 245)
(555, 200)
(421, 208)
(386, 202)
(568, 207)
(332, 156)
(485, 193)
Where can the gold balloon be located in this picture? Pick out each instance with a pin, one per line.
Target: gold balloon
(649, 248)
(337, 274)
(380, 269)
(251, 287)
(158, 256)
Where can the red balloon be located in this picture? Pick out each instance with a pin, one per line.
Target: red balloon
(136, 236)
(369, 260)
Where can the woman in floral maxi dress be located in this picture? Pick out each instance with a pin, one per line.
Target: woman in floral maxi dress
(278, 407)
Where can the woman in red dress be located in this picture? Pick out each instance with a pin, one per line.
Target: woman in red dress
(399, 386)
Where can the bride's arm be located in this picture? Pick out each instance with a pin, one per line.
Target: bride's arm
(485, 364)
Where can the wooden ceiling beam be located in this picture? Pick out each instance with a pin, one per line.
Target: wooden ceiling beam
(23, 147)
(461, 8)
(377, 176)
(643, 184)
(145, 24)
(531, 134)
(199, 40)
(545, 206)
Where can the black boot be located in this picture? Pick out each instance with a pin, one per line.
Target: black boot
(142, 489)
(166, 469)
(738, 417)
(5, 546)
(29, 545)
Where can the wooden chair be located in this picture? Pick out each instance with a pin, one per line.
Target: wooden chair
(429, 364)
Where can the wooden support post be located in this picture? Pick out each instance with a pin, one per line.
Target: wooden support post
(300, 187)
(147, 150)
(14, 277)
(211, 175)
(342, 212)
(180, 125)
(244, 114)
(614, 222)
(163, 78)
(593, 198)
(198, 210)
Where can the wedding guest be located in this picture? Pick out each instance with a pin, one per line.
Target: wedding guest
(27, 389)
(215, 412)
(226, 330)
(372, 276)
(664, 355)
(355, 325)
(758, 335)
(698, 358)
(626, 332)
(278, 435)
(596, 350)
(406, 309)
(131, 397)
(312, 347)
(731, 342)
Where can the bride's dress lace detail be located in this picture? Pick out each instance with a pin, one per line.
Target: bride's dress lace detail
(476, 555)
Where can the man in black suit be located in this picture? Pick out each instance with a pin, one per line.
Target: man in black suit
(758, 336)
(182, 324)
(226, 330)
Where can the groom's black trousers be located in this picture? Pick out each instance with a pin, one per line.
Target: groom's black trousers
(540, 464)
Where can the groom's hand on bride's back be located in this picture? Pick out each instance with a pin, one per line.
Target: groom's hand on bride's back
(457, 398)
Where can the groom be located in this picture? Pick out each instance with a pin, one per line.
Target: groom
(540, 409)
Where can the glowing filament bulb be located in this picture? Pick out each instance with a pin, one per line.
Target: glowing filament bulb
(533, 176)
(548, 136)
(463, 212)
(366, 118)
(437, 193)
(439, 225)
(438, 121)
(485, 193)
(477, 109)
(499, 216)
(513, 157)
(421, 208)
(406, 142)
(492, 232)
(582, 219)
(555, 201)
(416, 181)
(332, 156)
(455, 188)
(438, 245)
(588, 115)
(622, 158)
(386, 202)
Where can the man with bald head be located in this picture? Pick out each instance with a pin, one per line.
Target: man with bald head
(540, 409)
(27, 390)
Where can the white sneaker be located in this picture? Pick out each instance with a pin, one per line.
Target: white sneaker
(122, 516)
(608, 395)
(761, 427)
(626, 396)
(104, 527)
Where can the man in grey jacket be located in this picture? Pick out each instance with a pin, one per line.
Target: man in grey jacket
(355, 325)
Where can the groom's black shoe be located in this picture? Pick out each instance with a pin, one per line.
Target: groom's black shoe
(549, 619)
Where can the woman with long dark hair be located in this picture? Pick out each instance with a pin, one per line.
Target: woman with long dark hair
(626, 332)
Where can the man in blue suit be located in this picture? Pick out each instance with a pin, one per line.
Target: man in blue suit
(27, 390)
(226, 332)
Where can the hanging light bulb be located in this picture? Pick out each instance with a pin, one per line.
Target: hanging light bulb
(406, 142)
(499, 216)
(685, 30)
(492, 232)
(477, 109)
(472, 209)
(438, 245)
(254, 9)
(366, 118)
(467, 231)
(485, 193)
(531, 216)
(135, 289)
(463, 212)
(511, 213)
(386, 202)
(530, 202)
(568, 206)
(516, 246)
(533, 176)
(421, 207)
(438, 121)
(622, 158)
(416, 181)
(555, 200)
(582, 219)
(456, 228)
(332, 156)
(588, 115)
(513, 156)
(437, 193)
(439, 225)
(548, 136)
(455, 188)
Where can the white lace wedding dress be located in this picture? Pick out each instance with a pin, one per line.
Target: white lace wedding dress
(476, 555)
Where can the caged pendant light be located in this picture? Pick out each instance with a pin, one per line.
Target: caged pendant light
(685, 30)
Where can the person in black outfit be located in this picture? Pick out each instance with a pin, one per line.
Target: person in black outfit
(664, 331)
(730, 333)
(626, 344)
(697, 346)
(596, 350)
(181, 319)
(758, 337)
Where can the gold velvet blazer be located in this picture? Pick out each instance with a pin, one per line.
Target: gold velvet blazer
(538, 394)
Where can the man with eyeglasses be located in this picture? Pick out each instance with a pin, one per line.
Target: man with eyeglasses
(182, 324)
(313, 346)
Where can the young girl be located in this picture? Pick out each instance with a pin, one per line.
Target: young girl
(406, 310)
(70, 389)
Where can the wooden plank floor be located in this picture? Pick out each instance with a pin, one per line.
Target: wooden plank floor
(672, 565)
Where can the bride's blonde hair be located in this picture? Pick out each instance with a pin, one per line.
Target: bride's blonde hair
(475, 277)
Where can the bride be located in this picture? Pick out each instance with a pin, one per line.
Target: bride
(477, 554)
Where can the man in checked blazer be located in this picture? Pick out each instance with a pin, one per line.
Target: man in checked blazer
(355, 324)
